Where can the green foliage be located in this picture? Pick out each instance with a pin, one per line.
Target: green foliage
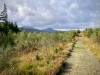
(5, 56)
(7, 35)
(7, 26)
(93, 34)
(88, 32)
(12, 43)
(43, 39)
(78, 31)
(93, 37)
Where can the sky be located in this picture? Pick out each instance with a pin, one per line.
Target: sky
(56, 14)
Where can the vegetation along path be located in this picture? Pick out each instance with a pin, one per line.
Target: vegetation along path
(81, 62)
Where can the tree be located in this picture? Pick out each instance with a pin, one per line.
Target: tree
(6, 26)
(15, 28)
(78, 31)
(4, 15)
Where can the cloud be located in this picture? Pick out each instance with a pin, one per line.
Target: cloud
(57, 14)
(74, 6)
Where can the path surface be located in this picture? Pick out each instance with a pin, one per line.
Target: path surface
(81, 62)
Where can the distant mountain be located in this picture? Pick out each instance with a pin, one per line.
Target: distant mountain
(27, 27)
(31, 29)
(48, 30)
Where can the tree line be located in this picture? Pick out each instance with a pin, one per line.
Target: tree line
(8, 26)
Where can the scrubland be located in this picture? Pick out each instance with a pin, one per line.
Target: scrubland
(91, 38)
(38, 53)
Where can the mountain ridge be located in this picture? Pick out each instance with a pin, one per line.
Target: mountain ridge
(32, 29)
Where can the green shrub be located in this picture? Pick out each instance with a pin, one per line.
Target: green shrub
(41, 73)
(23, 41)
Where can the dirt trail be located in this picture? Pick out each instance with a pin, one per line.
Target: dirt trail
(81, 62)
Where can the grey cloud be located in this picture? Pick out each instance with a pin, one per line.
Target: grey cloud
(57, 14)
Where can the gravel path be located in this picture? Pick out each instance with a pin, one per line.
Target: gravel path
(81, 62)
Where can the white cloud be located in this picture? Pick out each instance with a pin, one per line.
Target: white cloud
(47, 14)
(74, 6)
(52, 1)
